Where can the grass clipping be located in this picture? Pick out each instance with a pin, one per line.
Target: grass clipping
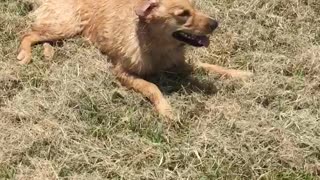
(69, 118)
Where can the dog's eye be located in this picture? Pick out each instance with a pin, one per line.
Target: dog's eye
(184, 13)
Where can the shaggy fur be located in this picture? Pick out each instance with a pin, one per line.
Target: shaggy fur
(138, 36)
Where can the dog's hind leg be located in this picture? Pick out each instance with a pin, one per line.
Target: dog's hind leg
(54, 20)
(48, 51)
(39, 35)
(25, 47)
(225, 72)
(148, 89)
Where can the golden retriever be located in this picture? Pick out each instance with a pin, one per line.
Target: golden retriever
(141, 37)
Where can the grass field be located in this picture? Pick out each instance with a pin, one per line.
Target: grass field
(70, 119)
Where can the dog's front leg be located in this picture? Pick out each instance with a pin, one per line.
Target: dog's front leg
(148, 89)
(230, 73)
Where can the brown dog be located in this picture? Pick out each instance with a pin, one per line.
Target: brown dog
(141, 37)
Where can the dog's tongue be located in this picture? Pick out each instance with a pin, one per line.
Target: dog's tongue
(204, 40)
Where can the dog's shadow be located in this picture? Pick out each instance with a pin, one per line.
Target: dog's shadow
(170, 83)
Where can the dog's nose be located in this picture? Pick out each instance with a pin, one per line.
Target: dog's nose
(213, 25)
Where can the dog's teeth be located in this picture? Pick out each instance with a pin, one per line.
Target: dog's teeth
(188, 36)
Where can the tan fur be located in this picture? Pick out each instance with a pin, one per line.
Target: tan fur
(136, 46)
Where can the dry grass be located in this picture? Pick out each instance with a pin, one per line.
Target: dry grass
(69, 118)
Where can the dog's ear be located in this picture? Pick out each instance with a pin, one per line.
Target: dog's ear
(145, 8)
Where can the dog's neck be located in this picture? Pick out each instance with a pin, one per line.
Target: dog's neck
(151, 51)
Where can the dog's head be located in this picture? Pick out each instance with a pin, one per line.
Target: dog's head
(178, 20)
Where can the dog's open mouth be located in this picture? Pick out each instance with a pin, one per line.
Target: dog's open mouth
(191, 39)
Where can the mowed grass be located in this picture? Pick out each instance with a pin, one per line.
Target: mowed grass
(70, 119)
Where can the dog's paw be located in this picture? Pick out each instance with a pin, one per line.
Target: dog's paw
(238, 74)
(24, 57)
(165, 110)
(48, 51)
